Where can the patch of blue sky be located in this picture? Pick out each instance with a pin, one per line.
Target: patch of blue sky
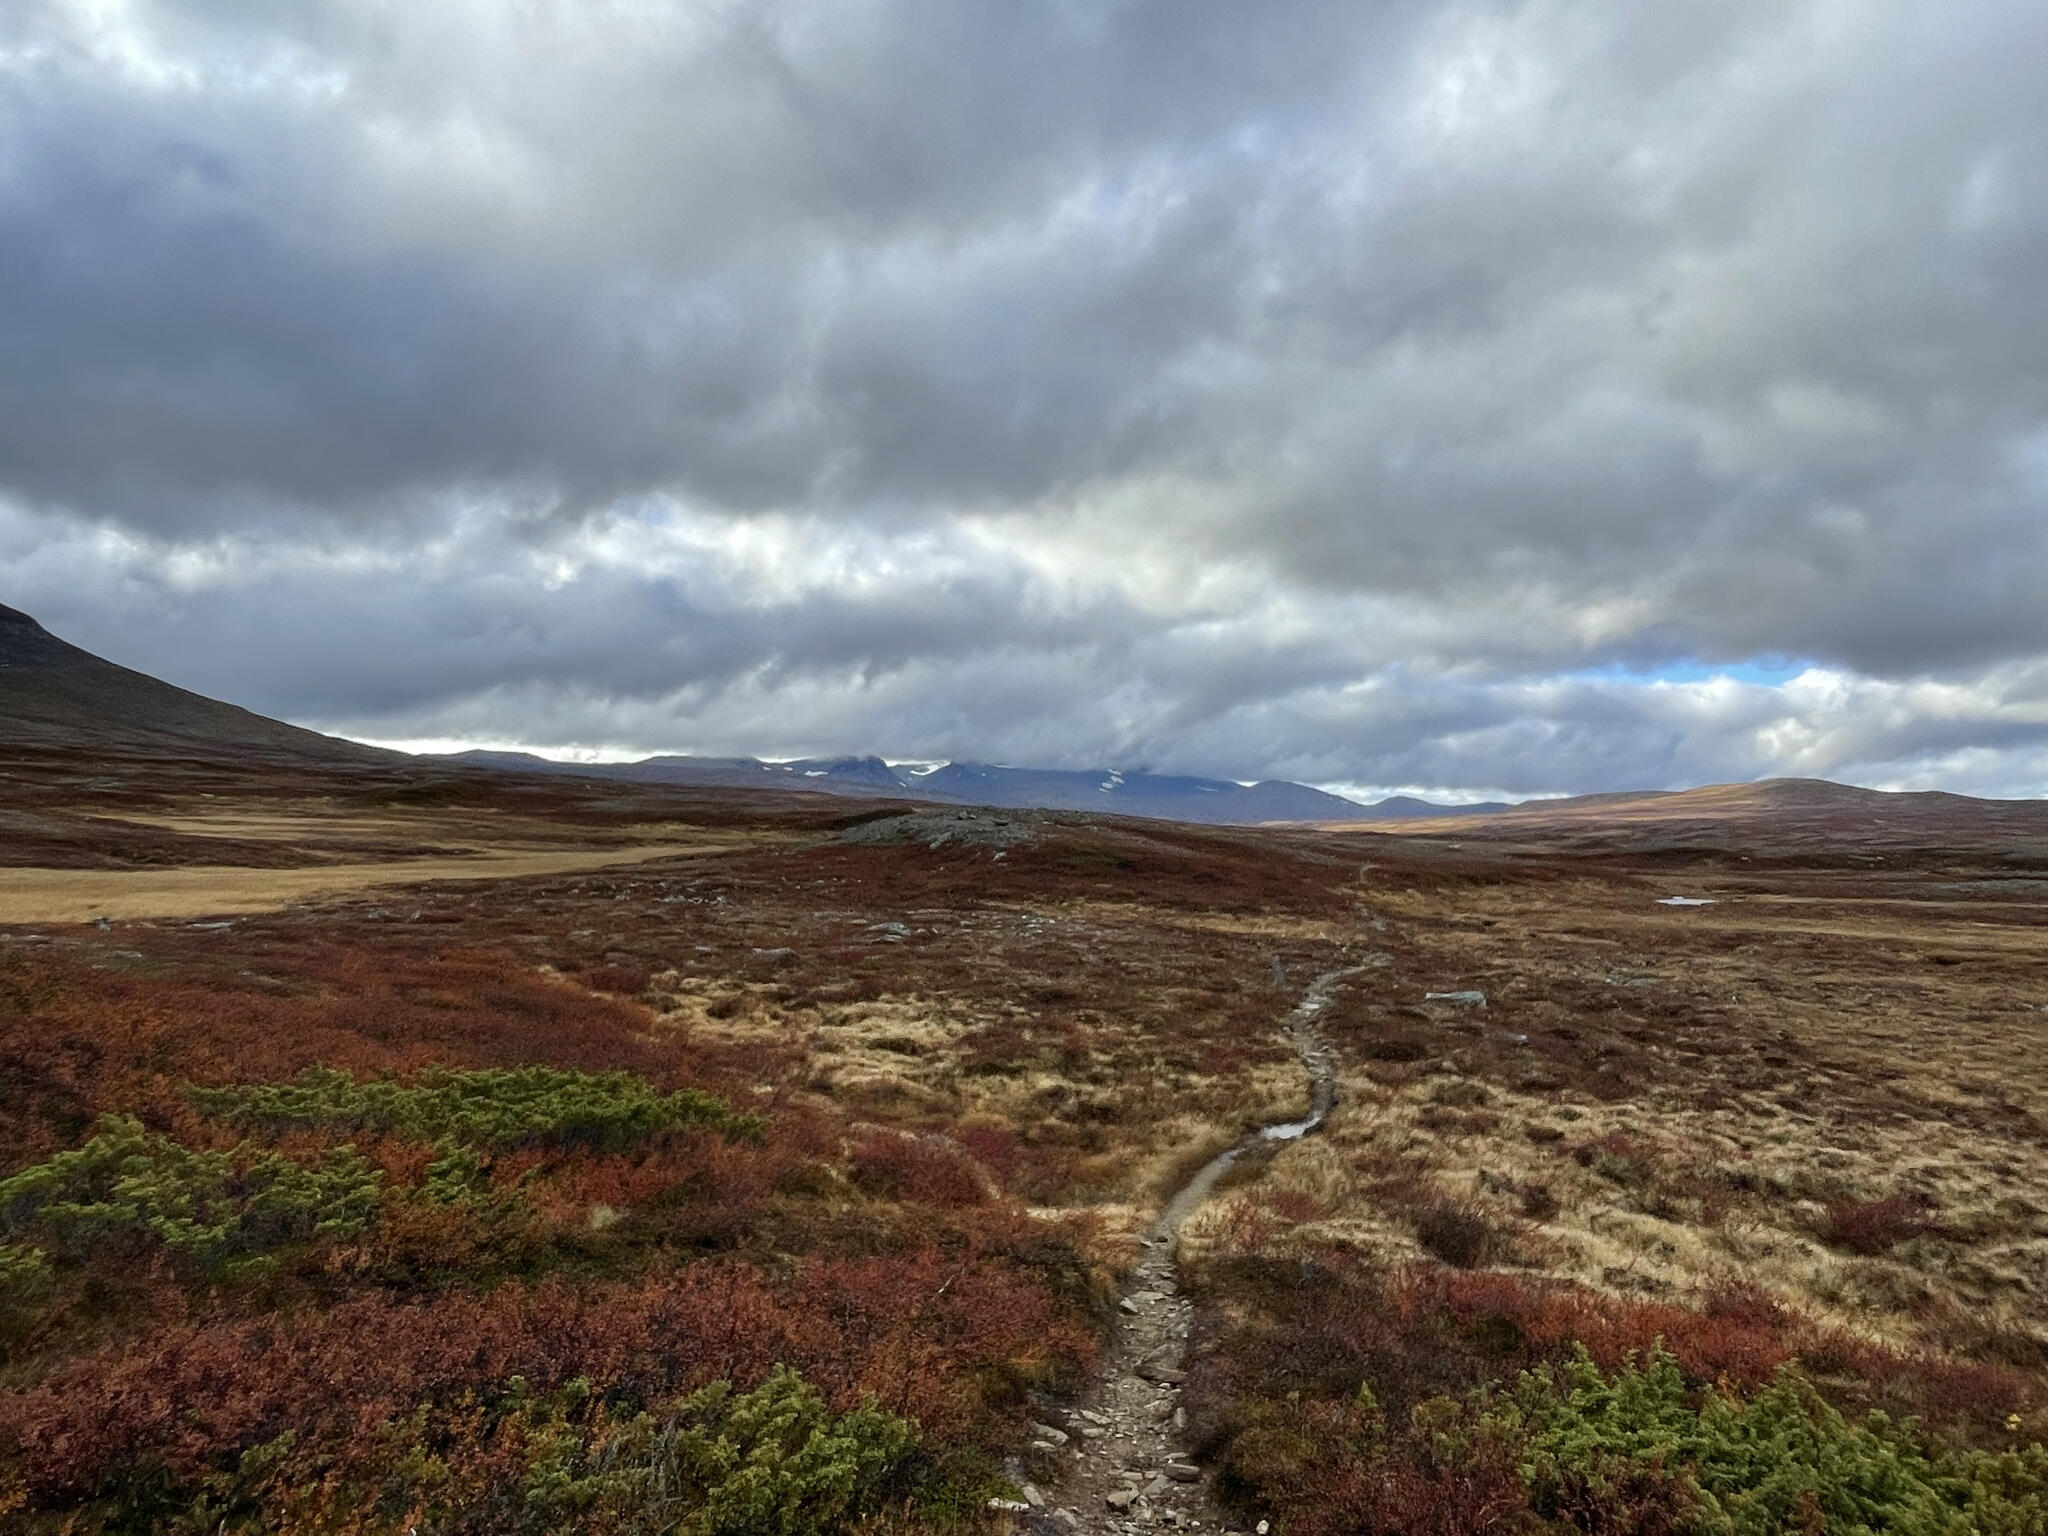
(1763, 671)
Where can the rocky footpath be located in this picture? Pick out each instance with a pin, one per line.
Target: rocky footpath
(1123, 1448)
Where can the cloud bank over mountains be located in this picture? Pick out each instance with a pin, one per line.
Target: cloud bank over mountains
(1515, 397)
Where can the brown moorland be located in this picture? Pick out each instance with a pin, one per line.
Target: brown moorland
(890, 1095)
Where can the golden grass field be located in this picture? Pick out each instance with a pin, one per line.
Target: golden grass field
(43, 896)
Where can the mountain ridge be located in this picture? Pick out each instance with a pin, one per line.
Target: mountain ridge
(1773, 795)
(54, 694)
(1128, 792)
(1802, 813)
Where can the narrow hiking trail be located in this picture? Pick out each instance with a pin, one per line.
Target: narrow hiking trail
(1125, 1443)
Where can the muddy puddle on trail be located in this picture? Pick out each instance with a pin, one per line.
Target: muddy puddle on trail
(1124, 1447)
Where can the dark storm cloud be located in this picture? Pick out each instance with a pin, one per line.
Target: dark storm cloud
(1355, 392)
(585, 252)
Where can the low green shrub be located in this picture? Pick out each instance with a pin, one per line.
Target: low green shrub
(130, 1185)
(1446, 1402)
(1639, 1451)
(773, 1461)
(24, 1284)
(499, 1108)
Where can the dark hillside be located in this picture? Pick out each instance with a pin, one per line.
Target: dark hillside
(55, 696)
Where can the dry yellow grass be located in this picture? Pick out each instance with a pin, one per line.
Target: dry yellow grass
(1658, 1102)
(283, 825)
(29, 895)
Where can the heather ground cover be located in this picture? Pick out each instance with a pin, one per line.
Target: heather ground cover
(529, 1204)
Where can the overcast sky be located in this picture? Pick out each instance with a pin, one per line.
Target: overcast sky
(1454, 396)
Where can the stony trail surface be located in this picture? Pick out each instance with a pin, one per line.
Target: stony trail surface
(1125, 1445)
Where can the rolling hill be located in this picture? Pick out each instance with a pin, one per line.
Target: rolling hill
(53, 695)
(1795, 813)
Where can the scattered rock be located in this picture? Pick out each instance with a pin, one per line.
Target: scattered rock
(1121, 1499)
(1129, 1306)
(1461, 999)
(971, 827)
(1033, 1497)
(1160, 1372)
(1182, 1473)
(1047, 1432)
(1155, 1487)
(1010, 1506)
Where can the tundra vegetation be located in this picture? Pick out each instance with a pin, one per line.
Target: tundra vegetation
(782, 1187)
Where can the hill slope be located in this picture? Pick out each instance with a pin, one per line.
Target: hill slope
(1782, 813)
(54, 695)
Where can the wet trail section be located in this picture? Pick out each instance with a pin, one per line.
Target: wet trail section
(1125, 1444)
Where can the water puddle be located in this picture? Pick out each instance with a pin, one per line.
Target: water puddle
(1129, 1465)
(1322, 1098)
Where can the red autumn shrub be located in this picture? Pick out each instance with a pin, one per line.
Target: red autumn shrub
(1298, 1206)
(1740, 1337)
(1873, 1227)
(930, 1336)
(930, 1170)
(1330, 1468)
(617, 980)
(1864, 1374)
(687, 1167)
(1476, 1495)
(77, 1041)
(994, 1147)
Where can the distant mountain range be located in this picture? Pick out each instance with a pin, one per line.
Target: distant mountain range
(1120, 792)
(56, 696)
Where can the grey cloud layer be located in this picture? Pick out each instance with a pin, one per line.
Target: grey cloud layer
(1324, 389)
